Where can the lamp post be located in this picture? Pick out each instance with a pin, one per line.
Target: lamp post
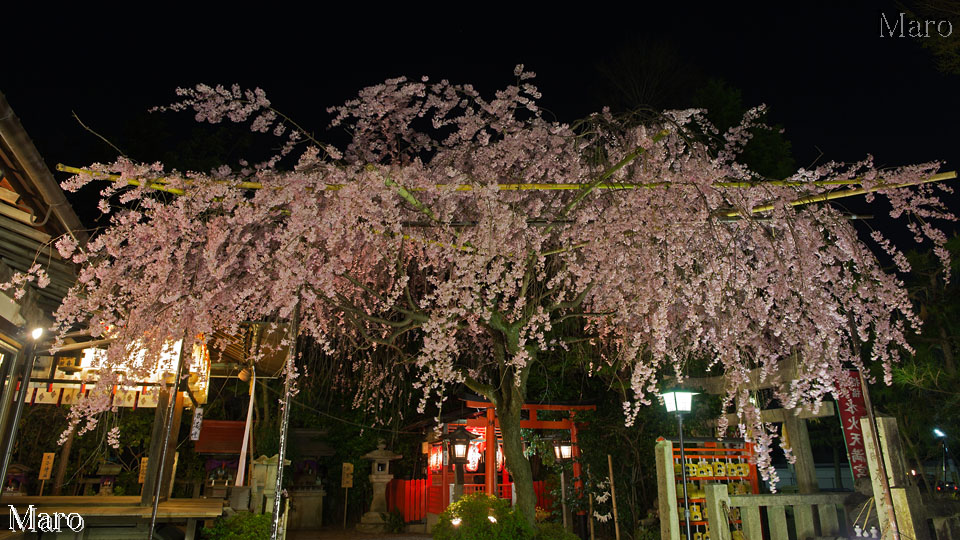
(679, 401)
(459, 444)
(563, 451)
(938, 433)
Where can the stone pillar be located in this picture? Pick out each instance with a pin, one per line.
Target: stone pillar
(911, 519)
(263, 483)
(667, 492)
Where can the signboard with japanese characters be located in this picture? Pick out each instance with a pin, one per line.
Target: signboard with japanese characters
(346, 478)
(852, 408)
(46, 466)
(197, 424)
(143, 470)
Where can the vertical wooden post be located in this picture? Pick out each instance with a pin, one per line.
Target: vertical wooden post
(563, 498)
(156, 446)
(62, 463)
(490, 454)
(613, 496)
(169, 465)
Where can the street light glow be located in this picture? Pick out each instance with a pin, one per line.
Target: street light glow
(36, 333)
(938, 433)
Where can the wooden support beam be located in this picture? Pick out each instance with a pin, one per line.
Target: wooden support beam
(755, 380)
(778, 416)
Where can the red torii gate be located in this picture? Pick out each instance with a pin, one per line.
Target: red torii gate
(489, 422)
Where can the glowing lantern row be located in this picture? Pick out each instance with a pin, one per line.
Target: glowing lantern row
(475, 455)
(75, 378)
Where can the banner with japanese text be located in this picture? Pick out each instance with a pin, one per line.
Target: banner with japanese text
(852, 408)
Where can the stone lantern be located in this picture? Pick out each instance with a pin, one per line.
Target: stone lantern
(380, 475)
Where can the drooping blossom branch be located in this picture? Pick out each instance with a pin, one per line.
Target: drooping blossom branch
(399, 262)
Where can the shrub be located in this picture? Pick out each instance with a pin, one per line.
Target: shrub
(394, 521)
(240, 526)
(554, 531)
(469, 519)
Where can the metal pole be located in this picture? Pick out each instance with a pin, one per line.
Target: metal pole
(11, 434)
(943, 467)
(12, 364)
(167, 428)
(285, 418)
(884, 481)
(683, 475)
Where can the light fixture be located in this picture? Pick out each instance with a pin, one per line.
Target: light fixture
(455, 521)
(36, 333)
(562, 450)
(459, 444)
(492, 519)
(678, 400)
(939, 433)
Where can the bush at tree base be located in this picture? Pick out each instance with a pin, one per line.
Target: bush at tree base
(469, 519)
(240, 526)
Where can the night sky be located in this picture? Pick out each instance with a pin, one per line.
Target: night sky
(835, 85)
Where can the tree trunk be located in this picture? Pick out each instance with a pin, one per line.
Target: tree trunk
(508, 413)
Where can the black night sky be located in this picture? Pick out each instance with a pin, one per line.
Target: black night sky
(830, 80)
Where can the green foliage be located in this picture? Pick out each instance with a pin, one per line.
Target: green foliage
(646, 533)
(473, 512)
(768, 152)
(240, 526)
(394, 522)
(553, 531)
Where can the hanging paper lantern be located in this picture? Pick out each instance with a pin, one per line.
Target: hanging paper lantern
(473, 457)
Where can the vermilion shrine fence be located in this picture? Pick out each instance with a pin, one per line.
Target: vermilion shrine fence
(410, 497)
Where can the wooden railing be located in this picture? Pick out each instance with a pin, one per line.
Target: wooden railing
(720, 513)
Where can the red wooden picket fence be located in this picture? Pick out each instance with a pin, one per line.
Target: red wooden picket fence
(410, 497)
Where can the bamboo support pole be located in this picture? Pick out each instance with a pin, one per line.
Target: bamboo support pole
(833, 195)
(613, 497)
(159, 184)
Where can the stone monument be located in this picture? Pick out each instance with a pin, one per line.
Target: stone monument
(380, 475)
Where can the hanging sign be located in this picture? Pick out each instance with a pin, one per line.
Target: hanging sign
(435, 461)
(852, 408)
(46, 466)
(197, 424)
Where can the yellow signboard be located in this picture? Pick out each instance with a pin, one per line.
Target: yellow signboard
(143, 470)
(346, 479)
(46, 466)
